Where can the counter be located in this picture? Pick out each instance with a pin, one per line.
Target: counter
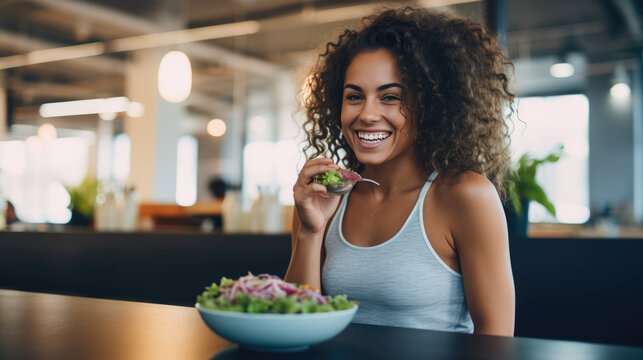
(571, 289)
(45, 326)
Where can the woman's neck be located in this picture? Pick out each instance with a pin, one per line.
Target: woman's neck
(396, 176)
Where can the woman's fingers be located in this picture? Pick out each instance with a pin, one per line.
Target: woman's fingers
(308, 174)
(315, 187)
(304, 191)
(312, 200)
(305, 188)
(313, 168)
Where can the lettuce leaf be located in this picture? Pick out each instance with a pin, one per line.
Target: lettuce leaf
(332, 177)
(211, 298)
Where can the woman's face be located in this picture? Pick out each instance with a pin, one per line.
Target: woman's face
(374, 122)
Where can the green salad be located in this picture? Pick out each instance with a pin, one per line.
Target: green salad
(329, 178)
(265, 294)
(337, 177)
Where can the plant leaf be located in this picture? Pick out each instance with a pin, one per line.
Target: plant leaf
(534, 192)
(513, 196)
(521, 183)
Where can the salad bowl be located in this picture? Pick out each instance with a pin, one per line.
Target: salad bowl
(266, 313)
(276, 332)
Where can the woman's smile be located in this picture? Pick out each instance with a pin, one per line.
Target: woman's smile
(371, 139)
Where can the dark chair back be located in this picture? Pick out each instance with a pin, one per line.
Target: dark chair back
(579, 289)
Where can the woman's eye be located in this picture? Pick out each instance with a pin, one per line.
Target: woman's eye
(353, 97)
(389, 98)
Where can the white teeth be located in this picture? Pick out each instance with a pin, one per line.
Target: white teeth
(372, 137)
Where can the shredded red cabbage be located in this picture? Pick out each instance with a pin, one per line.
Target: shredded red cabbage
(348, 175)
(268, 287)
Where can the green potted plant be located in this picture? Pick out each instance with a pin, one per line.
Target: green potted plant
(522, 188)
(81, 204)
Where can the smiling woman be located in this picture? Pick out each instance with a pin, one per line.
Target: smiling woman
(414, 100)
(378, 95)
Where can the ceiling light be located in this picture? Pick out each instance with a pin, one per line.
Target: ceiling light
(216, 127)
(84, 107)
(566, 60)
(107, 116)
(47, 132)
(620, 91)
(561, 70)
(135, 109)
(620, 85)
(175, 77)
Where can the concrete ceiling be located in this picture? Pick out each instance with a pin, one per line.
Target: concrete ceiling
(289, 31)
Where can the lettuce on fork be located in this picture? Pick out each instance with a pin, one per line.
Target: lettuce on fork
(329, 178)
(268, 294)
(337, 177)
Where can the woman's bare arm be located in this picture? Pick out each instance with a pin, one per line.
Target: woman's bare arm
(305, 259)
(479, 230)
(313, 210)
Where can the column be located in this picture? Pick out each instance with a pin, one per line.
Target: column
(154, 136)
(496, 14)
(235, 136)
(637, 99)
(287, 127)
(104, 149)
(3, 106)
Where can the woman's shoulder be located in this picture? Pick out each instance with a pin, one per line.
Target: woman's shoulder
(469, 204)
(465, 187)
(464, 194)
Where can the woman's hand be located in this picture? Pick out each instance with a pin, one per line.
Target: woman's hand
(314, 205)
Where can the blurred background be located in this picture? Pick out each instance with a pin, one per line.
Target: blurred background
(150, 115)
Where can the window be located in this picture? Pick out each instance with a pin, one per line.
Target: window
(541, 124)
(271, 167)
(186, 170)
(121, 157)
(36, 171)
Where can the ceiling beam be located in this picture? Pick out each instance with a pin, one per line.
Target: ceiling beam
(93, 12)
(556, 32)
(627, 10)
(24, 44)
(106, 87)
(154, 35)
(52, 91)
(56, 91)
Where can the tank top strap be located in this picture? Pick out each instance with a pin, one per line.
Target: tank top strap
(433, 175)
(425, 189)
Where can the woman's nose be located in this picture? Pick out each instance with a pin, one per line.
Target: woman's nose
(370, 112)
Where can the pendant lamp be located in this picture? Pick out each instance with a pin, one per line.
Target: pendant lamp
(175, 77)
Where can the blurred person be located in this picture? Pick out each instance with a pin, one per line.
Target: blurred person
(10, 213)
(217, 189)
(7, 214)
(415, 101)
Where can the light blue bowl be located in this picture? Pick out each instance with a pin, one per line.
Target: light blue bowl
(276, 332)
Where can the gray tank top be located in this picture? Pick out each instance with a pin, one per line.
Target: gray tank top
(401, 282)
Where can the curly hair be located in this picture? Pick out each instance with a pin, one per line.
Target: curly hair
(455, 84)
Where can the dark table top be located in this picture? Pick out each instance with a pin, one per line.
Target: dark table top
(47, 326)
